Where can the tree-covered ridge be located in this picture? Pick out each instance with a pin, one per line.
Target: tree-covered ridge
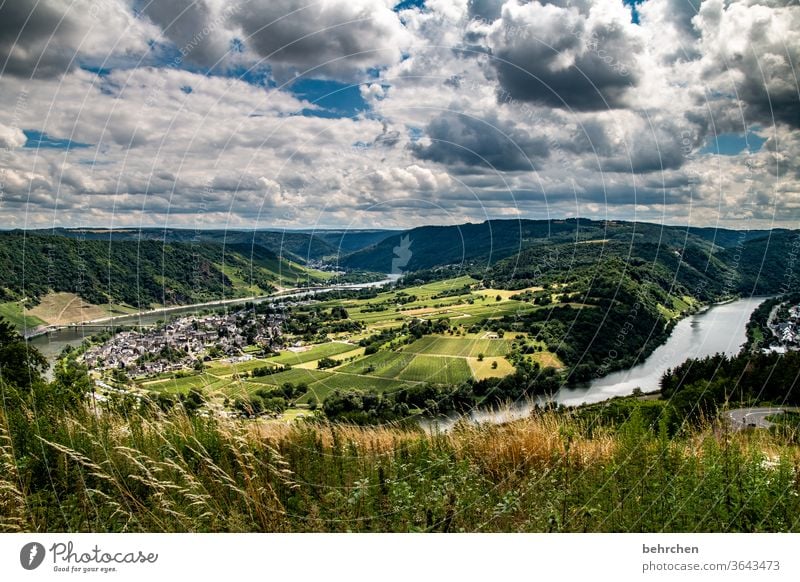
(482, 245)
(300, 246)
(699, 388)
(137, 273)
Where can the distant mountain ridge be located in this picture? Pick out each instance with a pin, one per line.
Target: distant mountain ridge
(484, 244)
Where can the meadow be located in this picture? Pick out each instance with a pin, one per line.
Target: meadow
(151, 471)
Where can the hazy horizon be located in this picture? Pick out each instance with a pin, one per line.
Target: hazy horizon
(322, 228)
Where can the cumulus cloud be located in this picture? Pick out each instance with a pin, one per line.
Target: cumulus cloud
(469, 109)
(583, 59)
(753, 50)
(11, 137)
(201, 30)
(46, 38)
(460, 139)
(331, 37)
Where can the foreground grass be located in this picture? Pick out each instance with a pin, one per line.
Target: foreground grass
(169, 472)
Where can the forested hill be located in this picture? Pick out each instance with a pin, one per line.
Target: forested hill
(299, 246)
(138, 273)
(703, 260)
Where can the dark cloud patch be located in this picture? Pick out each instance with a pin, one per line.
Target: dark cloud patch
(772, 102)
(553, 56)
(388, 138)
(461, 140)
(643, 161)
(192, 26)
(31, 39)
(590, 137)
(488, 10)
(336, 37)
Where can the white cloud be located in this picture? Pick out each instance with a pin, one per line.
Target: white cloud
(11, 137)
(601, 116)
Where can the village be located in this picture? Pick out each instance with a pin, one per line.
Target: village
(784, 322)
(187, 341)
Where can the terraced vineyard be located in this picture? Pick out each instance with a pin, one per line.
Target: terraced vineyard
(462, 347)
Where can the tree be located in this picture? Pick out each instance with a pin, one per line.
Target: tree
(21, 364)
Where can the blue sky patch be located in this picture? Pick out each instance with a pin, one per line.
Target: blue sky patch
(731, 144)
(99, 71)
(406, 4)
(634, 11)
(40, 140)
(333, 99)
(415, 133)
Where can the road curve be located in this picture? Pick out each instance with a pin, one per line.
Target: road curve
(742, 418)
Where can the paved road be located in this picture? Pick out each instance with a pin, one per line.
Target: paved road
(752, 417)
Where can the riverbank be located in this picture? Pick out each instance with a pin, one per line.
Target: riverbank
(286, 293)
(716, 328)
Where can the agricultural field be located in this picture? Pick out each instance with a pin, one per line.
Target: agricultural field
(462, 347)
(439, 358)
(339, 381)
(384, 364)
(504, 294)
(205, 382)
(437, 370)
(484, 368)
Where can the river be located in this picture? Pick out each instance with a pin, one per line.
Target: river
(719, 329)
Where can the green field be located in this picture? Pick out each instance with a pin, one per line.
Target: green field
(437, 370)
(13, 312)
(384, 364)
(293, 376)
(337, 381)
(412, 367)
(463, 347)
(205, 382)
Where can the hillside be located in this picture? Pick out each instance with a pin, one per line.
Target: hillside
(296, 245)
(139, 273)
(768, 264)
(707, 261)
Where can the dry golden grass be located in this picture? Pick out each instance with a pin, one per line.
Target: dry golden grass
(483, 369)
(65, 308)
(546, 359)
(168, 472)
(505, 294)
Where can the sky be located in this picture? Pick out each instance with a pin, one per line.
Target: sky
(378, 114)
